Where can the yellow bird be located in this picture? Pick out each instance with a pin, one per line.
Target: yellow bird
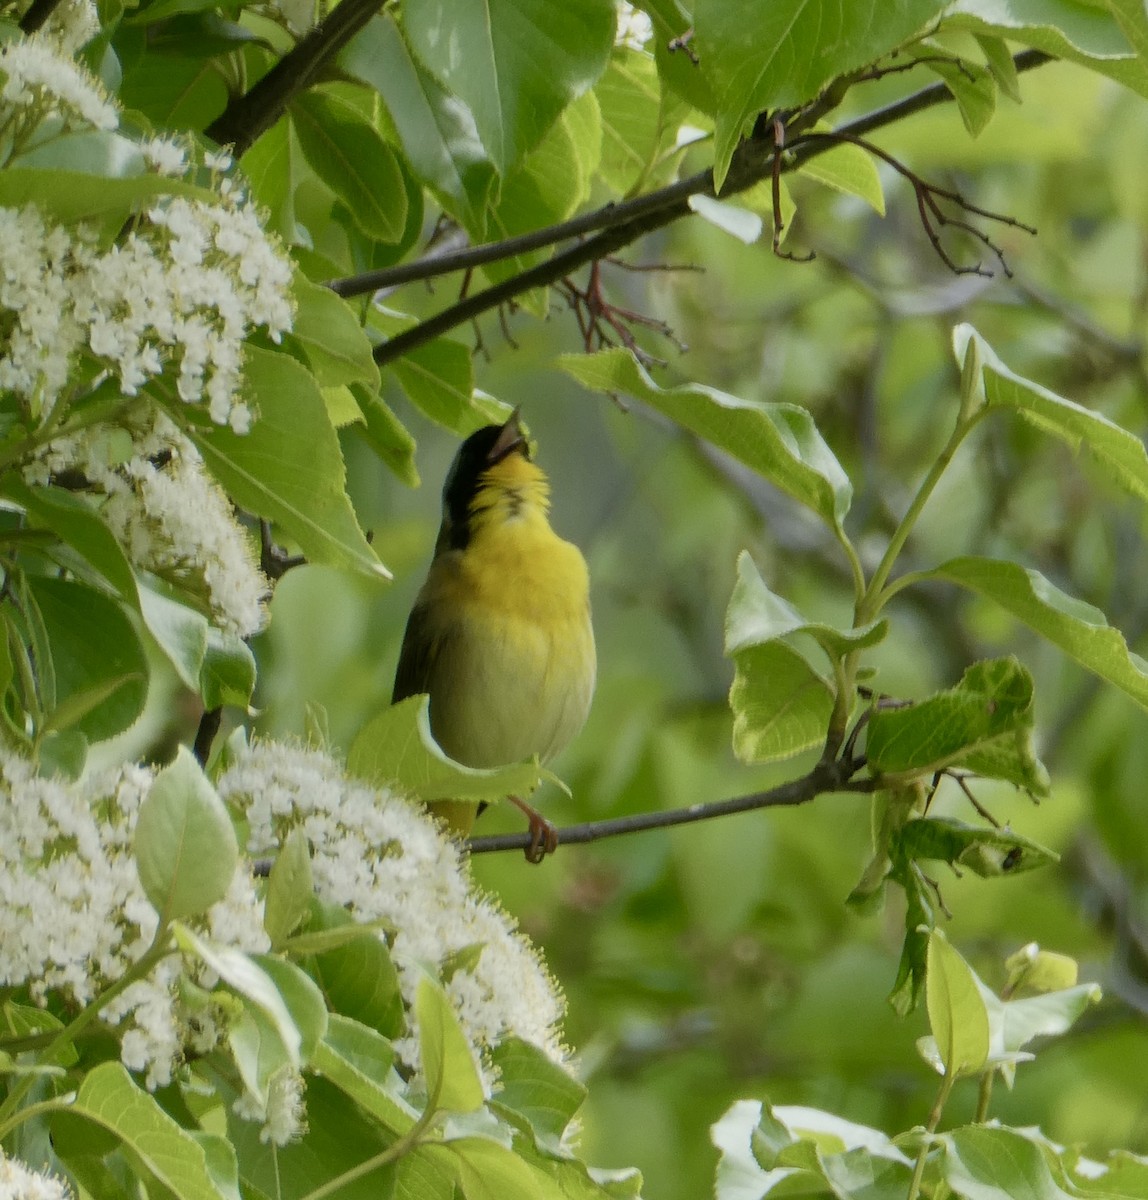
(500, 635)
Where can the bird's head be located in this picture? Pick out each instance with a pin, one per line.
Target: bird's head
(495, 459)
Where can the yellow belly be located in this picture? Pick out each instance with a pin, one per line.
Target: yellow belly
(514, 663)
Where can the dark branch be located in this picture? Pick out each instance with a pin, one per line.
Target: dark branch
(38, 14)
(827, 776)
(622, 224)
(252, 114)
(205, 735)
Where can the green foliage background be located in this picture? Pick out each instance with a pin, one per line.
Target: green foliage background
(718, 960)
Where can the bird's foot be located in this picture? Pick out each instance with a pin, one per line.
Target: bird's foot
(543, 835)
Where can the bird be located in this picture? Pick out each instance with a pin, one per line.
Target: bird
(500, 635)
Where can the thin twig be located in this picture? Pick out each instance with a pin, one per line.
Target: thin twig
(37, 15)
(826, 777)
(621, 224)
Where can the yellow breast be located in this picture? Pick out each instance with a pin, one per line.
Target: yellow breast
(509, 616)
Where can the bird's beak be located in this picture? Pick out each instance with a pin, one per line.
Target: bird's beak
(510, 438)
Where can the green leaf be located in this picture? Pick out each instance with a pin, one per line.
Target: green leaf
(759, 58)
(973, 87)
(257, 988)
(957, 1014)
(1121, 453)
(79, 526)
(982, 1163)
(108, 1097)
(438, 132)
(179, 91)
(998, 58)
(636, 130)
(985, 723)
(289, 889)
(534, 1087)
(756, 615)
(74, 196)
(185, 847)
(1083, 33)
(99, 671)
(526, 60)
(490, 1171)
(850, 170)
(288, 468)
(781, 705)
(986, 852)
(397, 747)
(180, 632)
(449, 1069)
(350, 156)
(356, 973)
(1080, 630)
(779, 441)
(358, 1061)
(387, 435)
(227, 675)
(331, 337)
(303, 999)
(439, 379)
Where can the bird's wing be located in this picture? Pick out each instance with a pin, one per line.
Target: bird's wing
(417, 657)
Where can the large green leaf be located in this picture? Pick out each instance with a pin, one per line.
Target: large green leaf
(437, 130)
(983, 1163)
(1121, 453)
(957, 1014)
(331, 337)
(1080, 32)
(185, 848)
(289, 467)
(172, 1155)
(524, 61)
(1080, 630)
(985, 723)
(397, 747)
(778, 441)
(359, 1061)
(350, 156)
(636, 124)
(452, 1078)
(439, 378)
(781, 705)
(760, 57)
(532, 1086)
(95, 665)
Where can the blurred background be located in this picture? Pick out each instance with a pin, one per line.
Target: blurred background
(719, 961)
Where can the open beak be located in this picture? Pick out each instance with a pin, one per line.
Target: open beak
(510, 438)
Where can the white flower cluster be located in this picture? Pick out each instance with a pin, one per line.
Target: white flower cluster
(381, 857)
(72, 24)
(283, 1114)
(168, 514)
(180, 292)
(44, 89)
(634, 29)
(18, 1182)
(74, 917)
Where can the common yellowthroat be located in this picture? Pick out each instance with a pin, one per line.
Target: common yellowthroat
(500, 635)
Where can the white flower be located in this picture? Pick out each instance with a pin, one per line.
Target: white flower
(382, 857)
(41, 78)
(74, 917)
(635, 29)
(73, 24)
(18, 1182)
(283, 1115)
(166, 155)
(170, 516)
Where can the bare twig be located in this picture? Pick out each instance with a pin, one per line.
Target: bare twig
(826, 777)
(621, 224)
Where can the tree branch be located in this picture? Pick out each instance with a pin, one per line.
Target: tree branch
(253, 113)
(829, 775)
(37, 15)
(624, 223)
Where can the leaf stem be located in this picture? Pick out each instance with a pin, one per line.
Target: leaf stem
(938, 1108)
(159, 949)
(875, 594)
